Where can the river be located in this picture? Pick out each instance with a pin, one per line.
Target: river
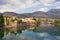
(27, 35)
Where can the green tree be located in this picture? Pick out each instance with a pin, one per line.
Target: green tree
(15, 19)
(37, 24)
(57, 23)
(1, 26)
(19, 21)
(1, 20)
(34, 18)
(7, 21)
(1, 34)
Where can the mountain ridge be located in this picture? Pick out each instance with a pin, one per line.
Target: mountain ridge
(53, 13)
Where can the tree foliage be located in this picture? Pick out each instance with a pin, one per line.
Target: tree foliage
(34, 18)
(1, 20)
(1, 25)
(57, 23)
(7, 21)
(19, 21)
(15, 19)
(37, 24)
(1, 34)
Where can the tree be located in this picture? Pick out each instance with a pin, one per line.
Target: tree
(1, 34)
(37, 24)
(57, 23)
(7, 21)
(1, 26)
(19, 21)
(1, 20)
(34, 18)
(15, 19)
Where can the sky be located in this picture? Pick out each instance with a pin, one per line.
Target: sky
(28, 6)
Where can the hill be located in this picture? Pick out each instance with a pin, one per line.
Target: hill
(53, 13)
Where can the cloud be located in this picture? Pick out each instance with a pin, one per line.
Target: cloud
(47, 2)
(57, 5)
(15, 5)
(43, 9)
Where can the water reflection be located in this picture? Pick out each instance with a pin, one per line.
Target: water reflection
(27, 35)
(1, 34)
(6, 32)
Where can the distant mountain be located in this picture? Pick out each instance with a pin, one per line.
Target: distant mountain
(53, 13)
(40, 14)
(35, 14)
(10, 14)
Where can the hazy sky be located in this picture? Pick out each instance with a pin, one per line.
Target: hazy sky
(25, 6)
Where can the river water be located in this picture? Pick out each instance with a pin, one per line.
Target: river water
(27, 35)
